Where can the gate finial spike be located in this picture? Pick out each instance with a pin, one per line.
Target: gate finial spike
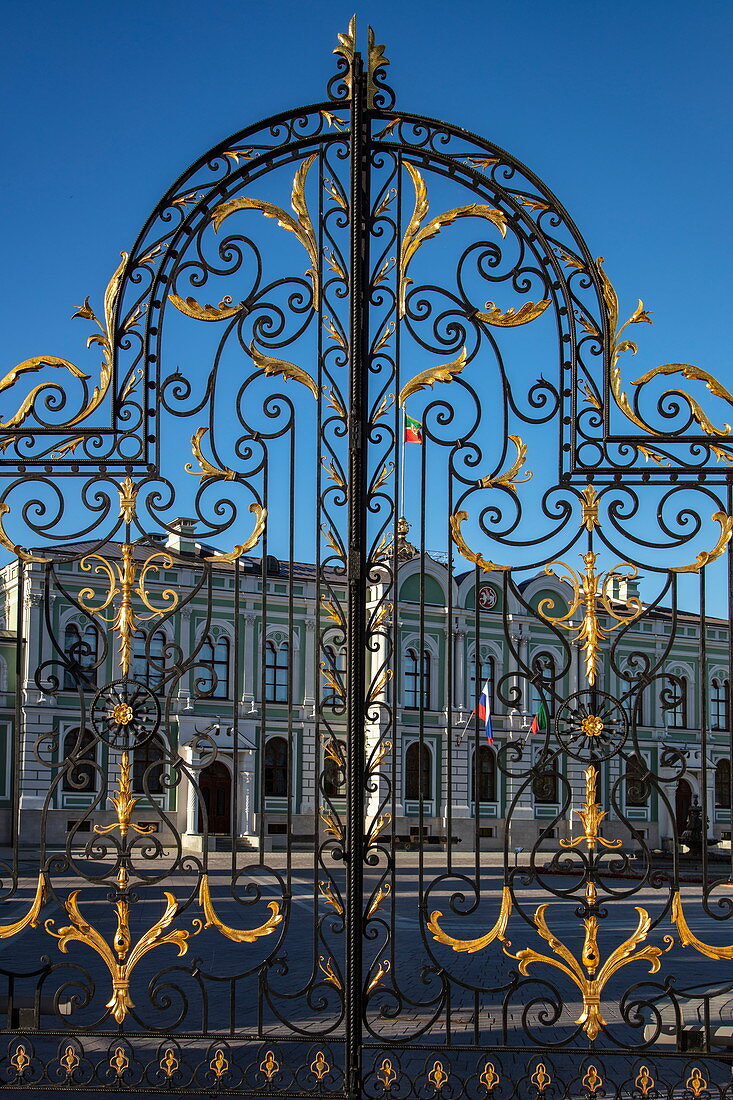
(347, 42)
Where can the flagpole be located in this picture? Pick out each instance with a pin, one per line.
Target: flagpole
(402, 468)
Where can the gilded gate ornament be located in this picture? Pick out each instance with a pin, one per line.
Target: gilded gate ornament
(583, 974)
(489, 1078)
(104, 338)
(618, 346)
(588, 590)
(121, 582)
(591, 815)
(496, 932)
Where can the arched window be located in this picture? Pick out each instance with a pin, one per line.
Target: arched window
(722, 785)
(148, 662)
(277, 666)
(486, 791)
(80, 752)
(482, 671)
(719, 704)
(543, 682)
(637, 782)
(414, 690)
(147, 767)
(80, 651)
(214, 655)
(418, 772)
(334, 772)
(333, 676)
(545, 784)
(674, 702)
(277, 767)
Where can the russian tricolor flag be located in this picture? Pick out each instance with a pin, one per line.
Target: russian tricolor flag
(484, 711)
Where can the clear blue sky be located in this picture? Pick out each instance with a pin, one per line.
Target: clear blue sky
(623, 108)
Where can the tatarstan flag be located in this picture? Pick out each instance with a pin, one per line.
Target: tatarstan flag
(540, 720)
(413, 430)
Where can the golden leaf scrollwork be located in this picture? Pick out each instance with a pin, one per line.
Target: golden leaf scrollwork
(270, 366)
(19, 551)
(237, 935)
(688, 938)
(588, 590)
(417, 233)
(446, 372)
(456, 522)
(332, 824)
(327, 969)
(591, 815)
(468, 947)
(346, 49)
(105, 339)
(329, 895)
(379, 827)
(583, 974)
(302, 228)
(121, 578)
(706, 556)
(510, 479)
(260, 515)
(686, 370)
(31, 919)
(191, 308)
(379, 899)
(512, 318)
(376, 60)
(207, 468)
(381, 972)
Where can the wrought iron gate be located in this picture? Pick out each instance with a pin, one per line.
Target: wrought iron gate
(296, 805)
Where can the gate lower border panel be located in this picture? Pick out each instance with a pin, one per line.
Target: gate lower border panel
(301, 1069)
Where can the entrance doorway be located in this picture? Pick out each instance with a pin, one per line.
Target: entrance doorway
(216, 795)
(682, 803)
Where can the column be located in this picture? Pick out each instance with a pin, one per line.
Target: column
(248, 663)
(309, 695)
(246, 793)
(459, 667)
(192, 837)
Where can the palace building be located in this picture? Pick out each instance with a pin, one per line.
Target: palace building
(245, 683)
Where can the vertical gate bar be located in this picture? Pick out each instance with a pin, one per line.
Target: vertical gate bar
(356, 570)
(704, 718)
(20, 656)
(728, 695)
